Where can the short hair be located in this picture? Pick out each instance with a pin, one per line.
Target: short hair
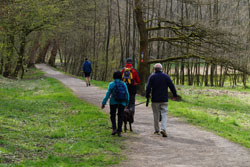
(86, 59)
(158, 67)
(117, 75)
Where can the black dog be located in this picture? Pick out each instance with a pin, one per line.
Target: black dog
(128, 117)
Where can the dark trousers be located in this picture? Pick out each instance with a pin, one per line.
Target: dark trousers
(132, 102)
(132, 92)
(113, 109)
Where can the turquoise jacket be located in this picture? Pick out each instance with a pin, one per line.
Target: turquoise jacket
(112, 99)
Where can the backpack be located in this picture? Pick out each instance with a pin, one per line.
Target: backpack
(119, 92)
(127, 76)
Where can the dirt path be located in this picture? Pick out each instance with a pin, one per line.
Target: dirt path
(186, 146)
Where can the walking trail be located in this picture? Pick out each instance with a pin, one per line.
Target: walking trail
(185, 146)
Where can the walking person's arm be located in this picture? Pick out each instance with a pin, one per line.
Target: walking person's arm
(172, 88)
(105, 99)
(148, 90)
(137, 78)
(83, 66)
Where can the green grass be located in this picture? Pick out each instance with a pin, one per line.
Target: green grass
(101, 84)
(225, 111)
(43, 124)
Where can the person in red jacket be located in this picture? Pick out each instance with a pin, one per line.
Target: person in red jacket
(131, 78)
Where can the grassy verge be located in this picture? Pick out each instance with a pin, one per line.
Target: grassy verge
(43, 124)
(225, 111)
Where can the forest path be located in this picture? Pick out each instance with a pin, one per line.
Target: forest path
(186, 146)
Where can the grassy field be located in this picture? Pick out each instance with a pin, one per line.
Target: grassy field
(224, 111)
(43, 124)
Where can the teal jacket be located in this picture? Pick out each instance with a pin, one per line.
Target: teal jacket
(112, 99)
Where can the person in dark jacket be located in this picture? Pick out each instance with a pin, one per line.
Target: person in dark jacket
(86, 67)
(114, 104)
(158, 84)
(134, 80)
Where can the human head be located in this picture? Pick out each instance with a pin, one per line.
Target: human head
(86, 59)
(158, 67)
(129, 61)
(117, 75)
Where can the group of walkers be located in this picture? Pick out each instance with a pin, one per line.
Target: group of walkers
(122, 93)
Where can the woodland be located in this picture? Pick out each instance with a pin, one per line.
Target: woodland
(199, 42)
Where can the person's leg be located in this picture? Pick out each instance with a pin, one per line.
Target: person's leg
(164, 116)
(87, 81)
(87, 77)
(120, 117)
(84, 75)
(132, 102)
(156, 114)
(113, 116)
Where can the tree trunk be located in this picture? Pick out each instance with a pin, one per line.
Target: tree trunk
(108, 39)
(212, 75)
(32, 58)
(120, 33)
(42, 54)
(206, 67)
(1, 65)
(94, 42)
(182, 72)
(52, 59)
(20, 65)
(143, 66)
(9, 50)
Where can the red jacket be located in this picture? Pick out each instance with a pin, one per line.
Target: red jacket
(134, 73)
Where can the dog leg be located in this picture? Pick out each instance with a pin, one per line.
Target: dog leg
(130, 127)
(125, 126)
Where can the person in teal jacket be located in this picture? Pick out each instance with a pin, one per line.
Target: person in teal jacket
(114, 105)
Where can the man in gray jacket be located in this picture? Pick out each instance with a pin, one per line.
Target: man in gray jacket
(158, 84)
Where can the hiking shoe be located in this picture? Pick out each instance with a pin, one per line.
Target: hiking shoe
(114, 132)
(164, 134)
(119, 134)
(156, 133)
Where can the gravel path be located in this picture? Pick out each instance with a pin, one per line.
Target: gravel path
(186, 146)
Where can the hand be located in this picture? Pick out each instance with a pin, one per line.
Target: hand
(103, 106)
(174, 98)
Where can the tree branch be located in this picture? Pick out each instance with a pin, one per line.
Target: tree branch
(188, 56)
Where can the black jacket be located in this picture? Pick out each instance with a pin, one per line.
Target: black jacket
(158, 84)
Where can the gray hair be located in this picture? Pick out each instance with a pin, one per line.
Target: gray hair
(158, 67)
